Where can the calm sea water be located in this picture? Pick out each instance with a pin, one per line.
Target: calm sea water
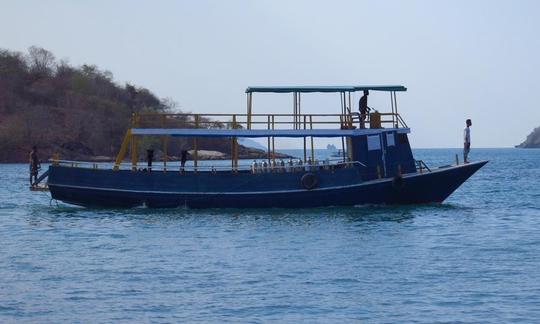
(475, 258)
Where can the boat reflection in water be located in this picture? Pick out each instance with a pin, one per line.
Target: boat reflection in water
(376, 164)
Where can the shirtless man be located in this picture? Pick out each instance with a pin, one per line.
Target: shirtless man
(35, 165)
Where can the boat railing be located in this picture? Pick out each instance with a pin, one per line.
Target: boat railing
(266, 121)
(421, 166)
(329, 164)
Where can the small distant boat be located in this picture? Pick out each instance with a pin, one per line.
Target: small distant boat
(375, 164)
(338, 153)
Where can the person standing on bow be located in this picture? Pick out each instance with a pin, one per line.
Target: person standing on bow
(467, 141)
(364, 109)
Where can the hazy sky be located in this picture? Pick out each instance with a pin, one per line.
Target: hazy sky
(459, 59)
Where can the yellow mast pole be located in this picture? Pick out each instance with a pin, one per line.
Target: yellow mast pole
(123, 150)
(165, 140)
(134, 157)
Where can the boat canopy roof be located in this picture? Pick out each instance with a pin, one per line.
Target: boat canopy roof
(308, 89)
(200, 132)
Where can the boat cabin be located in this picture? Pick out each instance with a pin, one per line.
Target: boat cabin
(374, 141)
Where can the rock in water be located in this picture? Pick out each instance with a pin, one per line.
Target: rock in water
(532, 140)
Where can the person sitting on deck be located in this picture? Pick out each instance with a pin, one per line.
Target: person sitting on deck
(364, 109)
(254, 167)
(290, 165)
(35, 165)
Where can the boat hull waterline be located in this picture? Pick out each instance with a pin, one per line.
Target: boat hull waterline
(161, 190)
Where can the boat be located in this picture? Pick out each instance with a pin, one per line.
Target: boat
(376, 167)
(338, 153)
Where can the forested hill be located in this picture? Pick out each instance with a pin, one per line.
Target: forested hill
(532, 140)
(79, 112)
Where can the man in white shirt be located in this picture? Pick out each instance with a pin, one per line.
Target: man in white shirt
(467, 141)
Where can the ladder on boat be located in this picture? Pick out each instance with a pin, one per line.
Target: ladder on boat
(37, 186)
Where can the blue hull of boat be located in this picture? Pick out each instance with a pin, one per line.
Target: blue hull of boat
(107, 188)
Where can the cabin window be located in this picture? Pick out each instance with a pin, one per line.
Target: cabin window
(373, 142)
(390, 139)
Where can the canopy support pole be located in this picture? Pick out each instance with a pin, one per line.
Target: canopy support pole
(195, 146)
(392, 105)
(349, 113)
(341, 107)
(299, 108)
(165, 154)
(273, 144)
(164, 140)
(268, 139)
(395, 104)
(234, 148)
(249, 109)
(311, 127)
(294, 109)
(343, 147)
(134, 156)
(305, 149)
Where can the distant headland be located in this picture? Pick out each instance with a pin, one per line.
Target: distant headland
(532, 140)
(79, 112)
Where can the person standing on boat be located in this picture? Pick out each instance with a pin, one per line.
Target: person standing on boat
(467, 141)
(35, 165)
(183, 159)
(364, 109)
(149, 157)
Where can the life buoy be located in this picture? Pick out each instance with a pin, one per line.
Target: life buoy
(398, 182)
(309, 181)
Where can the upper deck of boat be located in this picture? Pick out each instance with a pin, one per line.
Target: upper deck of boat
(344, 124)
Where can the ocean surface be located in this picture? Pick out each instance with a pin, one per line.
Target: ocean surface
(474, 258)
